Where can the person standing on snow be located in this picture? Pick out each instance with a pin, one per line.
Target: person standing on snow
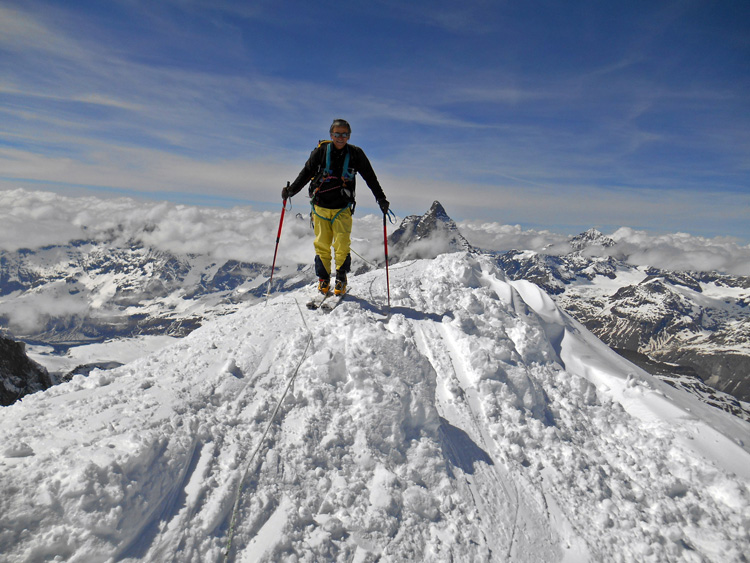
(331, 171)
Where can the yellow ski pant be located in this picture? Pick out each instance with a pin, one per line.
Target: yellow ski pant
(330, 231)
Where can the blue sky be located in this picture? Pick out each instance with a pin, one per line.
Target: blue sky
(559, 115)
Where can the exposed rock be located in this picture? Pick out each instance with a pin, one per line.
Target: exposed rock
(19, 375)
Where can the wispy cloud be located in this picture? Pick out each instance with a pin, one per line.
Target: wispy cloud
(22, 33)
(468, 17)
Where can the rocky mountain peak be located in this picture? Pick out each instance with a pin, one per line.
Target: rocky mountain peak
(427, 236)
(592, 237)
(438, 212)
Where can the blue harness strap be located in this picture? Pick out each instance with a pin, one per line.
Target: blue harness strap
(345, 174)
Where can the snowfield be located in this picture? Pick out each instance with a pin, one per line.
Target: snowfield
(476, 422)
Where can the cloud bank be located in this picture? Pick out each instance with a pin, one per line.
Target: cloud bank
(675, 251)
(33, 219)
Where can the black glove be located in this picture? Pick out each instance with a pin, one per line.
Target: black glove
(285, 192)
(384, 205)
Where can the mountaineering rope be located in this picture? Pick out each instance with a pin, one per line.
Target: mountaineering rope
(238, 492)
(363, 258)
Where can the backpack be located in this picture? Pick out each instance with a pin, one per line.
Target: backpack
(324, 174)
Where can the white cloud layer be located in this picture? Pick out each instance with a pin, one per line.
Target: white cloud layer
(32, 219)
(675, 251)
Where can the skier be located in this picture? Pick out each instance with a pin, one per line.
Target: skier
(331, 171)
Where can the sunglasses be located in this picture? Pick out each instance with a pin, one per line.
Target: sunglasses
(341, 135)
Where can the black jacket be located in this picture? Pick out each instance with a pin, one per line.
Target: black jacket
(334, 192)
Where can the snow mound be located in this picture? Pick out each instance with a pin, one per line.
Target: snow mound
(476, 422)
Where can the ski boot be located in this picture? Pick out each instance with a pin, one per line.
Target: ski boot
(340, 287)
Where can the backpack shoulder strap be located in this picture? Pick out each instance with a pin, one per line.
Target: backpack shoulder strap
(345, 169)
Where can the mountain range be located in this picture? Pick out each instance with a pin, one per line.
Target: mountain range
(690, 328)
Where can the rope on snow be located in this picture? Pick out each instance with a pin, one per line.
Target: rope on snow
(238, 492)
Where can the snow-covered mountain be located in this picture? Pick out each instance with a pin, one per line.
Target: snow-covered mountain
(90, 291)
(476, 422)
(695, 321)
(691, 329)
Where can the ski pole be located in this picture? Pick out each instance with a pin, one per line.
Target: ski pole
(387, 279)
(278, 236)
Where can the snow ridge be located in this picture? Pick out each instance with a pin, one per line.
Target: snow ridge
(477, 422)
